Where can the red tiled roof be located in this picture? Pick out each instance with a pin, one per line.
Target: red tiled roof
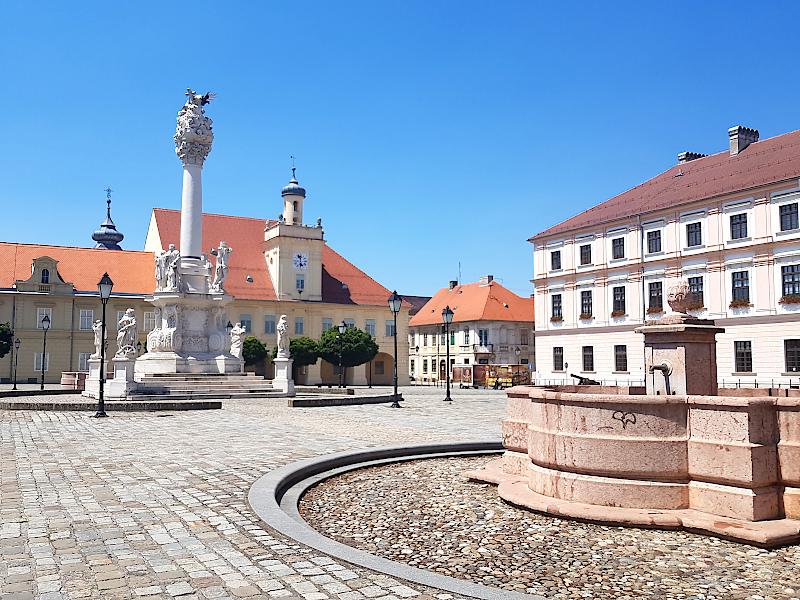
(475, 302)
(245, 235)
(132, 272)
(768, 161)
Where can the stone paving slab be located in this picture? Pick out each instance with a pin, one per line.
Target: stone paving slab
(152, 505)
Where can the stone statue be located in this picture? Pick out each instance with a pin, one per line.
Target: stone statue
(283, 338)
(97, 327)
(193, 136)
(319, 222)
(221, 272)
(679, 297)
(173, 264)
(237, 340)
(127, 335)
(207, 265)
(161, 270)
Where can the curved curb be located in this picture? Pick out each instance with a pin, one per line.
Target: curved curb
(274, 499)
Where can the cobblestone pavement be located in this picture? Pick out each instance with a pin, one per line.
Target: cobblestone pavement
(425, 514)
(152, 505)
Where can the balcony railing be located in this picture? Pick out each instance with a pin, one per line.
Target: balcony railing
(483, 348)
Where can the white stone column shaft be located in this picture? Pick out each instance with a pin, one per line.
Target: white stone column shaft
(192, 211)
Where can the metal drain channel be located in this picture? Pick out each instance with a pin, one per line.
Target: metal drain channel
(275, 496)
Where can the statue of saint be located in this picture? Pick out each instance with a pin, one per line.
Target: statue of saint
(97, 327)
(221, 272)
(127, 335)
(173, 269)
(283, 338)
(237, 340)
(161, 270)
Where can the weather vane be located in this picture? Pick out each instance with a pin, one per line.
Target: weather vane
(108, 191)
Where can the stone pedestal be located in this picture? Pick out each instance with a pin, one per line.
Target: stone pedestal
(283, 375)
(122, 384)
(680, 356)
(92, 387)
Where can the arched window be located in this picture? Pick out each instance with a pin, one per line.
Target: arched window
(295, 205)
(45, 275)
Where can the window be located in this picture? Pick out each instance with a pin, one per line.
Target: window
(327, 323)
(149, 320)
(741, 285)
(298, 325)
(792, 353)
(555, 260)
(618, 248)
(656, 295)
(452, 338)
(558, 358)
(556, 301)
(790, 277)
(694, 234)
(523, 336)
(247, 322)
(588, 358)
(586, 254)
(83, 361)
(37, 362)
(621, 359)
(269, 324)
(483, 337)
(653, 242)
(390, 328)
(586, 302)
(424, 339)
(424, 365)
(696, 289)
(788, 213)
(369, 327)
(87, 318)
(466, 337)
(349, 323)
(739, 226)
(45, 275)
(619, 299)
(300, 281)
(120, 314)
(412, 366)
(744, 357)
(378, 367)
(42, 312)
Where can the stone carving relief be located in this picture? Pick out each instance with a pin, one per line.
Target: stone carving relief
(194, 136)
(283, 338)
(679, 296)
(221, 272)
(127, 335)
(237, 340)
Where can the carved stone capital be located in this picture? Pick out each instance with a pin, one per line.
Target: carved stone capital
(194, 136)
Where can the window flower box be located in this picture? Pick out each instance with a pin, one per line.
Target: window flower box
(556, 319)
(655, 310)
(618, 313)
(792, 299)
(696, 306)
(585, 316)
(739, 303)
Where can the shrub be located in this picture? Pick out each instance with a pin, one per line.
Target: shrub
(556, 319)
(618, 313)
(791, 299)
(740, 303)
(253, 351)
(586, 316)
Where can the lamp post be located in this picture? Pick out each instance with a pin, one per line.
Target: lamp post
(418, 363)
(138, 348)
(104, 287)
(447, 316)
(395, 302)
(342, 328)
(517, 352)
(46, 327)
(17, 344)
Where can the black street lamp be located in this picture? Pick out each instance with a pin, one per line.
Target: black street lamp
(395, 302)
(229, 328)
(17, 344)
(104, 287)
(342, 328)
(517, 352)
(138, 348)
(46, 327)
(447, 316)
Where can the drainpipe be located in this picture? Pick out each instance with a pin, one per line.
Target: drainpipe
(641, 277)
(14, 329)
(72, 335)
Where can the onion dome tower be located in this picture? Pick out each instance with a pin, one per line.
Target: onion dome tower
(107, 237)
(293, 196)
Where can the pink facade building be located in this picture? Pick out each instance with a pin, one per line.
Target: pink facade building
(727, 223)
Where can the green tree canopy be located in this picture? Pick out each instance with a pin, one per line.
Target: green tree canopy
(6, 339)
(303, 351)
(357, 347)
(253, 351)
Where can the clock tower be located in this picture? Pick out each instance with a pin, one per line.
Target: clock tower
(293, 251)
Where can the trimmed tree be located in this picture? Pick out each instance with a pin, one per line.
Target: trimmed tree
(253, 351)
(303, 351)
(357, 347)
(6, 339)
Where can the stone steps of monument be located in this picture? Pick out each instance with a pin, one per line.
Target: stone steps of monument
(205, 389)
(199, 396)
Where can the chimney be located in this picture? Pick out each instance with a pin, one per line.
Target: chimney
(486, 279)
(685, 157)
(741, 138)
(453, 284)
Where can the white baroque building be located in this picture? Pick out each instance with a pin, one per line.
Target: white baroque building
(727, 223)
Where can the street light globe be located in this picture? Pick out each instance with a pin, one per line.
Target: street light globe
(46, 323)
(342, 327)
(104, 286)
(395, 302)
(447, 315)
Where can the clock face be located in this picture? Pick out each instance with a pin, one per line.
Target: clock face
(301, 261)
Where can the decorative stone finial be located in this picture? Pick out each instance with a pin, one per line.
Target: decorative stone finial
(194, 136)
(679, 296)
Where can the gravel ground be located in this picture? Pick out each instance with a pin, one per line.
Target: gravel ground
(425, 514)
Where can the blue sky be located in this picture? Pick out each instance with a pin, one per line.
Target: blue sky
(426, 133)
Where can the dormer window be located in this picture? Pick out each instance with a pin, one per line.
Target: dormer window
(45, 275)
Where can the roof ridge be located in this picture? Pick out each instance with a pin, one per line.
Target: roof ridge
(82, 248)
